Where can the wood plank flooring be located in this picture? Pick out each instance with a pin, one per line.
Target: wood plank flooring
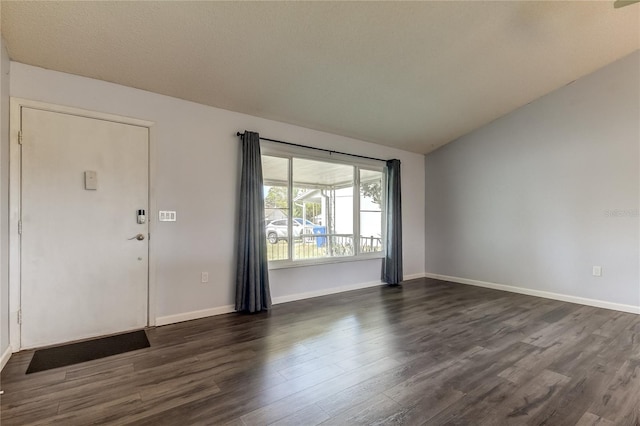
(428, 352)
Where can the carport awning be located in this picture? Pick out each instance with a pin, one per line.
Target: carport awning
(312, 174)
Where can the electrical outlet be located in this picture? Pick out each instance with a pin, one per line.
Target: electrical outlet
(204, 277)
(597, 271)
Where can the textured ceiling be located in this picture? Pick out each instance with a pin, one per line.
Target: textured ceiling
(414, 75)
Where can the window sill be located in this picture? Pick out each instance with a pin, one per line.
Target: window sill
(286, 264)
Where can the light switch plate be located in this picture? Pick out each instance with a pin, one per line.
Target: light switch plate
(167, 216)
(597, 271)
(90, 180)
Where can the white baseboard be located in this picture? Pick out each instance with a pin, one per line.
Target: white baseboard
(324, 292)
(539, 293)
(334, 290)
(5, 357)
(414, 276)
(187, 316)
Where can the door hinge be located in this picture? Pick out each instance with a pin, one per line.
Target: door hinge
(19, 137)
(19, 227)
(20, 316)
(149, 236)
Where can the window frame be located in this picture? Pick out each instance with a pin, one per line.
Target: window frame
(290, 152)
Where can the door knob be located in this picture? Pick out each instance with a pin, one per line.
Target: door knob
(138, 237)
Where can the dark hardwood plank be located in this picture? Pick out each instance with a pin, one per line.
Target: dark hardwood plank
(427, 352)
(310, 416)
(477, 405)
(622, 396)
(377, 410)
(589, 419)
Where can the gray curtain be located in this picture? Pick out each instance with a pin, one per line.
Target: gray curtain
(252, 273)
(392, 264)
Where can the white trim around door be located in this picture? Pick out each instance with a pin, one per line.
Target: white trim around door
(15, 173)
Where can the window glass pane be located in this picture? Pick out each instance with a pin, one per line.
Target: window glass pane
(275, 173)
(342, 240)
(370, 211)
(322, 209)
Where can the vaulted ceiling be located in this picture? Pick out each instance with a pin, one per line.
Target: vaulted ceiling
(413, 75)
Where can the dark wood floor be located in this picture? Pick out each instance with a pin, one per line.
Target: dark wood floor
(429, 352)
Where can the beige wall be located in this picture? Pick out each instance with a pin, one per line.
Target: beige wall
(537, 198)
(197, 163)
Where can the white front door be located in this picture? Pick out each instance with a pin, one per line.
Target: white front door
(83, 271)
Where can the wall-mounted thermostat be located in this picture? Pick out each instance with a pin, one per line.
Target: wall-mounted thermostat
(167, 216)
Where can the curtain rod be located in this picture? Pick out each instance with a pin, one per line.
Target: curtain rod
(317, 149)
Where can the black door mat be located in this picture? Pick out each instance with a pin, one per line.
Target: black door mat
(75, 353)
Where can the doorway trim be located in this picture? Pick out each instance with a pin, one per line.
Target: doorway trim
(15, 193)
